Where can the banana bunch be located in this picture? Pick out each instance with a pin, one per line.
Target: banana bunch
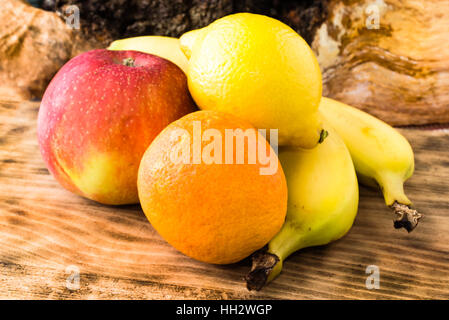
(323, 189)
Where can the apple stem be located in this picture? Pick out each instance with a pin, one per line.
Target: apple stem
(129, 62)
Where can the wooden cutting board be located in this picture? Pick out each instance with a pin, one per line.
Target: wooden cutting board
(45, 230)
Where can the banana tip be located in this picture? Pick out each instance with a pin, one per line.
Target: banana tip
(406, 217)
(262, 265)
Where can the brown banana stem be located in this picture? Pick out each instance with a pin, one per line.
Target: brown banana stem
(406, 217)
(262, 264)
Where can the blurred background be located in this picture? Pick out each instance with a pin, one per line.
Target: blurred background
(387, 57)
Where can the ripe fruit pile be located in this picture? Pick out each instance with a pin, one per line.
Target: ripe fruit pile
(246, 72)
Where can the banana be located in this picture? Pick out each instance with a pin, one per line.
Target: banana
(322, 204)
(381, 156)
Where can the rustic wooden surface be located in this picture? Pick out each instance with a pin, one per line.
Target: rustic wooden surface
(44, 229)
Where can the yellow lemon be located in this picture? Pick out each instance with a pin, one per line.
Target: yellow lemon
(164, 47)
(258, 69)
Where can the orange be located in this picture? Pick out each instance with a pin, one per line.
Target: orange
(213, 212)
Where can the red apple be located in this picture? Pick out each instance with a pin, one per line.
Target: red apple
(100, 113)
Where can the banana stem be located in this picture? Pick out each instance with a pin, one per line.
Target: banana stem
(406, 217)
(393, 190)
(265, 266)
(267, 263)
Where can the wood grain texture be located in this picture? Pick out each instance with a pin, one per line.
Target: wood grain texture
(397, 69)
(44, 229)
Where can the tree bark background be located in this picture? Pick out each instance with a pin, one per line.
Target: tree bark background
(121, 19)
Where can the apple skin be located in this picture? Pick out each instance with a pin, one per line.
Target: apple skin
(99, 115)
